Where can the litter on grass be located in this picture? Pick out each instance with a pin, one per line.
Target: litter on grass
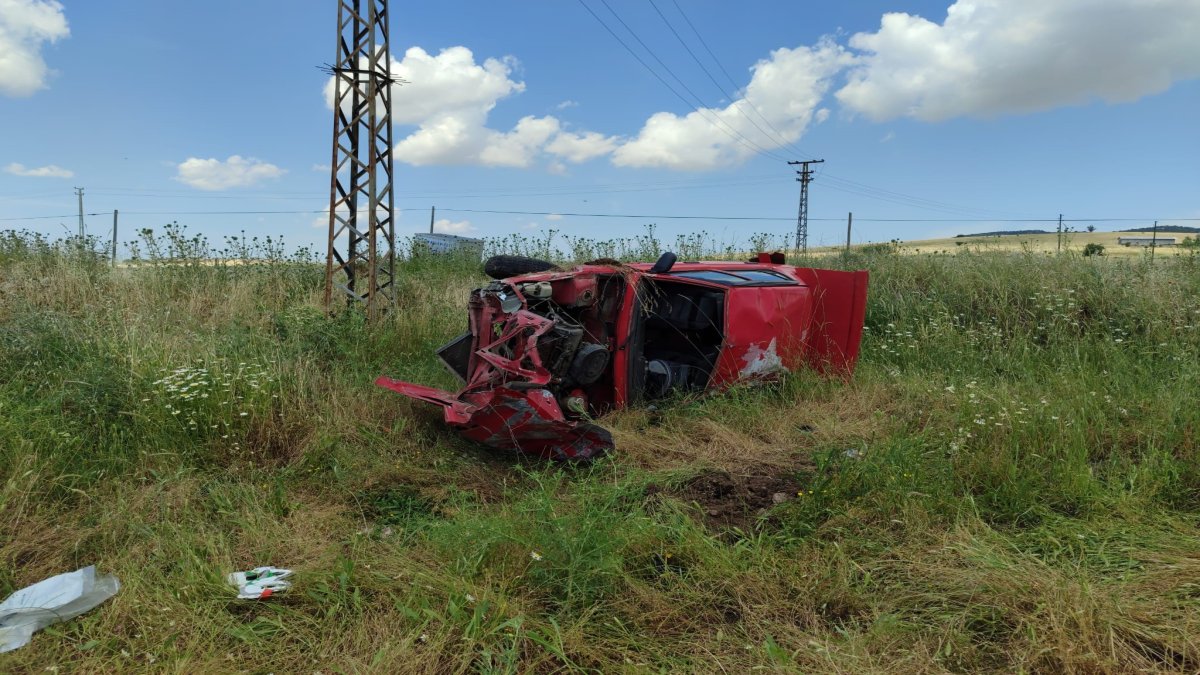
(260, 582)
(58, 598)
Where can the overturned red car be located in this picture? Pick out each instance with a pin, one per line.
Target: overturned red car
(549, 350)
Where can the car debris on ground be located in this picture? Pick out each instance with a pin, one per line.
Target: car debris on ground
(260, 583)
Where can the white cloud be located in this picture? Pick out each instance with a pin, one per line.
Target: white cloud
(785, 90)
(567, 104)
(323, 168)
(48, 171)
(519, 146)
(25, 25)
(992, 57)
(554, 216)
(449, 97)
(445, 226)
(235, 172)
(577, 148)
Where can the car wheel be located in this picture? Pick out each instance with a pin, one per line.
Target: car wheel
(505, 266)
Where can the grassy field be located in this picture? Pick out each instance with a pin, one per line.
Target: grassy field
(1010, 482)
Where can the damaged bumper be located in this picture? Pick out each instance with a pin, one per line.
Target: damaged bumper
(528, 420)
(507, 402)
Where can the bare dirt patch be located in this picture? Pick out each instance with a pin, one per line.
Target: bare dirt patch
(727, 500)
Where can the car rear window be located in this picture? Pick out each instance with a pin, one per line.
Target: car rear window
(736, 277)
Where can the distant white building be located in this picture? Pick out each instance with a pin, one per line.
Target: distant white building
(446, 243)
(1146, 241)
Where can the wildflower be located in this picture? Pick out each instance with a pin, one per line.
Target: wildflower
(535, 555)
(469, 598)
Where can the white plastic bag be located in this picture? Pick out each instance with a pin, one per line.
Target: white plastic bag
(58, 598)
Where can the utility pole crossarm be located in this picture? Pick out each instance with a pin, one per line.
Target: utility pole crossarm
(804, 176)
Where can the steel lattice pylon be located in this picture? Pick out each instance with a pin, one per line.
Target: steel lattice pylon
(804, 176)
(361, 174)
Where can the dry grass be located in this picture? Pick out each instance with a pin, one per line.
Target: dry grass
(999, 512)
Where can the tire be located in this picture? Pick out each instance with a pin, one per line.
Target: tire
(505, 266)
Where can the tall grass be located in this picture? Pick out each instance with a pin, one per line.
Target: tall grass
(1010, 482)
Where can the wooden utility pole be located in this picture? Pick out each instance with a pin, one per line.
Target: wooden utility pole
(79, 193)
(849, 222)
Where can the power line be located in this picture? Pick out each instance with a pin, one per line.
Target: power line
(699, 100)
(69, 215)
(869, 194)
(699, 109)
(641, 215)
(779, 136)
(598, 188)
(791, 218)
(867, 190)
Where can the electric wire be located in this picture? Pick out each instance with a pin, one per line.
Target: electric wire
(699, 110)
(779, 137)
(699, 101)
(736, 102)
(661, 216)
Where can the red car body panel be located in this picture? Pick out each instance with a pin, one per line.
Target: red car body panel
(535, 342)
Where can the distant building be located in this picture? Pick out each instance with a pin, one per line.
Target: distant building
(1146, 241)
(446, 243)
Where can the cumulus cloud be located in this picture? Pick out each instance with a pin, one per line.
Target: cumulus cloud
(446, 226)
(519, 146)
(448, 98)
(235, 172)
(577, 148)
(782, 99)
(48, 171)
(25, 26)
(991, 57)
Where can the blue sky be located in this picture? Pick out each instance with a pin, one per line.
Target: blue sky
(932, 111)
